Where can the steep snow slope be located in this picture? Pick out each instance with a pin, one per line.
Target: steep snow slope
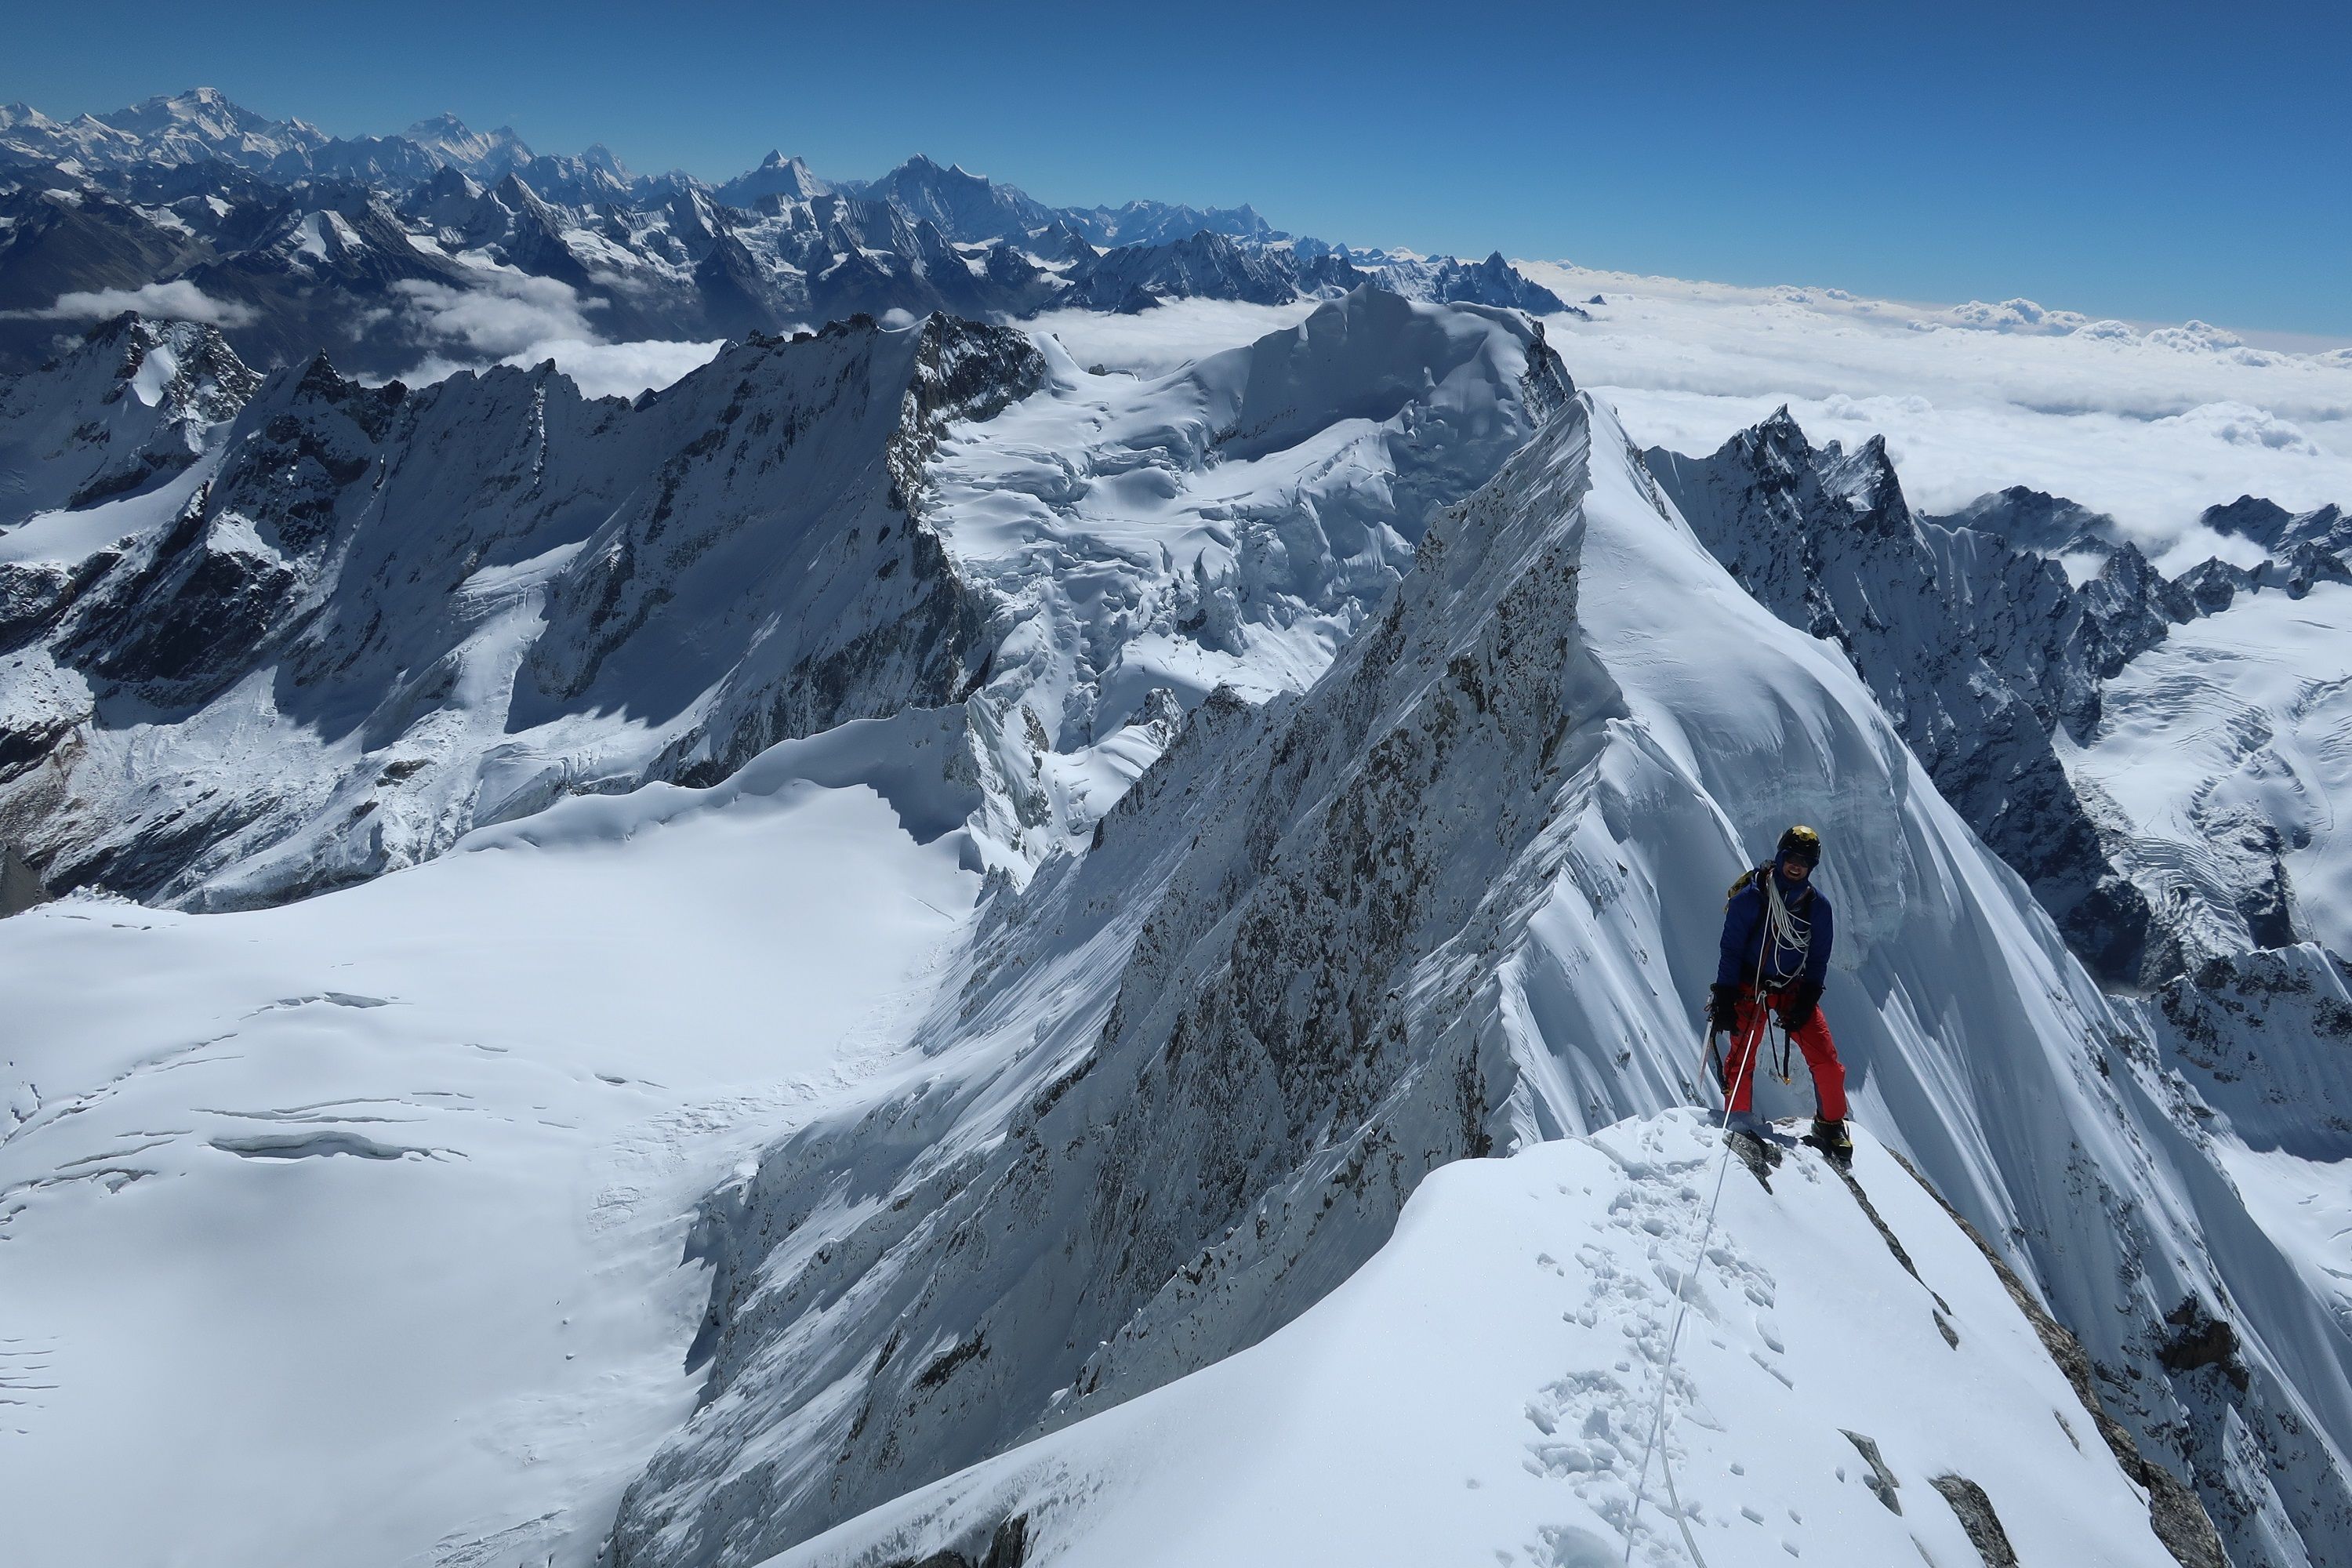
(1483, 1388)
(1977, 653)
(348, 1232)
(134, 402)
(1456, 898)
(2156, 755)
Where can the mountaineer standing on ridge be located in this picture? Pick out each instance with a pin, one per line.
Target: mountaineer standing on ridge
(1777, 931)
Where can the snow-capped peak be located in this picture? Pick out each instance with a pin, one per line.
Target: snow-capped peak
(133, 404)
(486, 156)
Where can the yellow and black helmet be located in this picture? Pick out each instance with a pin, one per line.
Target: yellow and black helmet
(1799, 843)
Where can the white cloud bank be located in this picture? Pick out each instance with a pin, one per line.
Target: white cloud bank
(503, 313)
(510, 317)
(178, 301)
(2152, 426)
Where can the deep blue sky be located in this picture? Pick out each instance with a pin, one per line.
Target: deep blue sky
(2155, 162)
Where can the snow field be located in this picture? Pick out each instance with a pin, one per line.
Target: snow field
(350, 1231)
(2247, 716)
(1482, 1390)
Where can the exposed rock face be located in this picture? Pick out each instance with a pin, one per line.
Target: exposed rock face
(1976, 651)
(395, 583)
(2175, 1511)
(1288, 964)
(1999, 667)
(2266, 1041)
(1977, 1517)
(2279, 530)
(133, 403)
(1940, 620)
(1204, 266)
(2036, 521)
(1493, 281)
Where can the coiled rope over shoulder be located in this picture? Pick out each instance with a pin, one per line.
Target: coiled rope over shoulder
(1783, 930)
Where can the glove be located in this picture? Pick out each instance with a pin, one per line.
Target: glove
(1722, 1009)
(1804, 1000)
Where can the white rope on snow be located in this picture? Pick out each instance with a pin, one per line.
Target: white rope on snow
(1781, 928)
(1673, 1337)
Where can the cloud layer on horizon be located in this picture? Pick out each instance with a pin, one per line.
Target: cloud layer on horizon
(2151, 426)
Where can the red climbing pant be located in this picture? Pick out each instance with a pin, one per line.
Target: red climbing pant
(1813, 1039)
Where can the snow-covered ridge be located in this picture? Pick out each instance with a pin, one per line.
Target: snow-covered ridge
(1486, 1386)
(386, 617)
(377, 618)
(1453, 899)
(133, 404)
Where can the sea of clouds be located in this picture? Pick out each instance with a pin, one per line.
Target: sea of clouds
(2151, 426)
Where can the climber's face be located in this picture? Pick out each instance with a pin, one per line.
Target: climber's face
(1796, 870)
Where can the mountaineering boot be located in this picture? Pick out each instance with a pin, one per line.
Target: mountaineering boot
(1831, 1139)
(1745, 1124)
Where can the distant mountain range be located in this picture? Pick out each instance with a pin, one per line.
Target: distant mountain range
(447, 243)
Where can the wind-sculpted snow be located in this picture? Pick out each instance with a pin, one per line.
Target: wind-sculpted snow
(1231, 523)
(1249, 986)
(1976, 652)
(1454, 899)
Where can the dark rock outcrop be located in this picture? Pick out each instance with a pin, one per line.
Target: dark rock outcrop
(1976, 651)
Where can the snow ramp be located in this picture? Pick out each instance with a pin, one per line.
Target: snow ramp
(1853, 1385)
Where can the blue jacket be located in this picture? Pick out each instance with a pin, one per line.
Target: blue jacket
(1743, 936)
